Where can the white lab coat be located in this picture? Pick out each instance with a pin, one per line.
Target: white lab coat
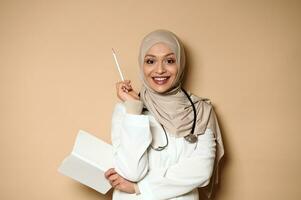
(173, 173)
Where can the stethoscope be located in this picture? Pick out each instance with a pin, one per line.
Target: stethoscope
(191, 137)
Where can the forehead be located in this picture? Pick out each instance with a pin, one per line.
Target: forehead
(159, 49)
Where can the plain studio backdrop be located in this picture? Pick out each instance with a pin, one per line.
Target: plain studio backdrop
(57, 75)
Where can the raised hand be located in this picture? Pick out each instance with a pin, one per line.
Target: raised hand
(125, 91)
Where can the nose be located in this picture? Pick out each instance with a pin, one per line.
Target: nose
(160, 68)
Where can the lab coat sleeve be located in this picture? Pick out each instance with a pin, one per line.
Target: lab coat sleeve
(130, 139)
(188, 174)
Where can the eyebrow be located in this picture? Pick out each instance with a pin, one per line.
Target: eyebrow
(155, 56)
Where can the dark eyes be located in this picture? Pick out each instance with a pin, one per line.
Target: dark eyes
(149, 61)
(152, 61)
(170, 61)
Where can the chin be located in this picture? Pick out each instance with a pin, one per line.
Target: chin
(161, 89)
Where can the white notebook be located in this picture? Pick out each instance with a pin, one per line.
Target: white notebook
(88, 161)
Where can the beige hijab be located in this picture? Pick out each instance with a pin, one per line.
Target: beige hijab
(173, 109)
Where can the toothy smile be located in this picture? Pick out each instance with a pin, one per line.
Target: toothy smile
(160, 80)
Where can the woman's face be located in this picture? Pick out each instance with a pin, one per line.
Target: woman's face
(160, 67)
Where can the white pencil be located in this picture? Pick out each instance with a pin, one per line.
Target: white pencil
(117, 65)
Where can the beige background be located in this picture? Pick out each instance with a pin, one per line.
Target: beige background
(57, 76)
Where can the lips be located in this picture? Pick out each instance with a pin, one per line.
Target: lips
(160, 80)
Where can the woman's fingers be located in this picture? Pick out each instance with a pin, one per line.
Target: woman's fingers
(125, 91)
(109, 172)
(126, 86)
(113, 177)
(124, 185)
(116, 182)
(123, 86)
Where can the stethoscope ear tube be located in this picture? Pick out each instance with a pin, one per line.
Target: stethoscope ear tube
(192, 138)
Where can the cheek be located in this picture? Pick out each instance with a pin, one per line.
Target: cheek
(173, 71)
(146, 72)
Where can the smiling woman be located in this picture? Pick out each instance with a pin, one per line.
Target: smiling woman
(167, 141)
(160, 67)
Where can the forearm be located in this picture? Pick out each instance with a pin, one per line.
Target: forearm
(131, 139)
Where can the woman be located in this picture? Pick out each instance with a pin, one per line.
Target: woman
(167, 142)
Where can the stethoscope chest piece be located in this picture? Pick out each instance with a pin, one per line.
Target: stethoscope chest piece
(191, 138)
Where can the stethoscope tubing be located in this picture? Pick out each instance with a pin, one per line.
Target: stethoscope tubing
(191, 137)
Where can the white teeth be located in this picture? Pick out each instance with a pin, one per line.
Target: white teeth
(159, 79)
